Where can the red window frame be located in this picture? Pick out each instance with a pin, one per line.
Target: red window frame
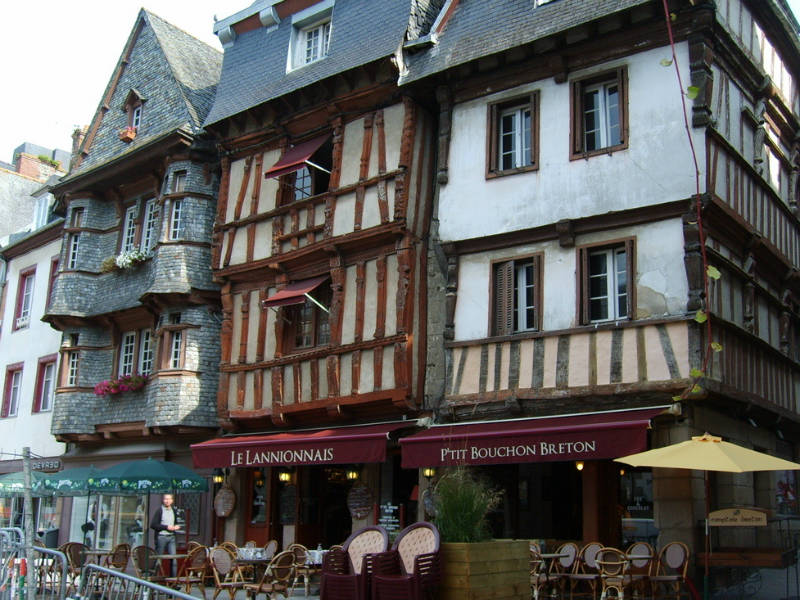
(41, 368)
(10, 370)
(23, 276)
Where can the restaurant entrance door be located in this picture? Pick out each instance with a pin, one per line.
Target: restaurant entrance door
(323, 517)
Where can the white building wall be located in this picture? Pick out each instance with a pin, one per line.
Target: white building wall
(27, 346)
(656, 167)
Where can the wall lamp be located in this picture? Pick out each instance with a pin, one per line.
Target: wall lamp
(284, 476)
(219, 476)
(579, 465)
(351, 474)
(258, 477)
(428, 472)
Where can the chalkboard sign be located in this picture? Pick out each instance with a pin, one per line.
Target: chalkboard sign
(389, 518)
(359, 501)
(224, 502)
(287, 504)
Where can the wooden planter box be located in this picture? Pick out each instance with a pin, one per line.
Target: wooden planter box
(499, 570)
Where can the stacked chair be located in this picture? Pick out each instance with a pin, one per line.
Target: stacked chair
(412, 569)
(347, 570)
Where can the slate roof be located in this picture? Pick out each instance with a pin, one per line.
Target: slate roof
(254, 67)
(176, 74)
(480, 28)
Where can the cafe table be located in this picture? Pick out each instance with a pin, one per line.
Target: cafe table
(95, 555)
(163, 558)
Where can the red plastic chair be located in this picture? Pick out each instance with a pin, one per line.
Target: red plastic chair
(347, 570)
(411, 570)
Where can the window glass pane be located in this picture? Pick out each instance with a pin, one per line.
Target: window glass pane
(130, 522)
(526, 137)
(127, 349)
(598, 309)
(78, 524)
(591, 124)
(323, 328)
(48, 378)
(13, 403)
(177, 214)
(175, 359)
(47, 516)
(129, 235)
(612, 107)
(72, 375)
(102, 513)
(145, 353)
(302, 184)
(305, 326)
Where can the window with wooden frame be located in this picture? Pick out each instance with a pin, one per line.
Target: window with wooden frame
(129, 229)
(145, 352)
(45, 384)
(72, 363)
(314, 176)
(178, 182)
(307, 324)
(51, 281)
(176, 219)
(606, 282)
(127, 353)
(133, 107)
(516, 295)
(135, 353)
(151, 225)
(12, 390)
(311, 35)
(172, 346)
(599, 114)
(513, 136)
(76, 220)
(24, 303)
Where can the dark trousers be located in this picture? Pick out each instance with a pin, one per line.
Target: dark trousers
(165, 544)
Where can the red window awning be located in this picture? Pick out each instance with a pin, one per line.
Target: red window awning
(295, 157)
(575, 437)
(343, 445)
(294, 293)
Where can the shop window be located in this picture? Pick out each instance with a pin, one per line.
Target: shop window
(258, 503)
(606, 279)
(513, 136)
(599, 114)
(516, 295)
(45, 384)
(22, 310)
(635, 508)
(12, 390)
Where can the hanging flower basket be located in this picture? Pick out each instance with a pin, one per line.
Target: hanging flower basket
(127, 134)
(126, 383)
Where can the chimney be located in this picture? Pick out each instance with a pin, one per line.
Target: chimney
(77, 140)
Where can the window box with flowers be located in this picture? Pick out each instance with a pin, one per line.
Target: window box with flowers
(124, 260)
(127, 134)
(125, 383)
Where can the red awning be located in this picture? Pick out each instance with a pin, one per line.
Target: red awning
(295, 157)
(356, 444)
(576, 437)
(294, 293)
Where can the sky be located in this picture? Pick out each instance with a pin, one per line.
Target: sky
(57, 57)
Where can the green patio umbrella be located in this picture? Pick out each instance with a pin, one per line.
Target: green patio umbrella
(13, 484)
(71, 482)
(148, 476)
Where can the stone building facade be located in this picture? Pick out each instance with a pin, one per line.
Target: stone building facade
(134, 298)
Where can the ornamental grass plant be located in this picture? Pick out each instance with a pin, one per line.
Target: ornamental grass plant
(462, 504)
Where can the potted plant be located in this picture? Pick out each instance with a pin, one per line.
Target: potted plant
(125, 383)
(475, 565)
(127, 134)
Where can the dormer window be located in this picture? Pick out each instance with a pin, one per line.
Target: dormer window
(311, 35)
(132, 107)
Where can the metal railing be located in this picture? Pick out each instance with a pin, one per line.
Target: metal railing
(11, 544)
(102, 583)
(51, 571)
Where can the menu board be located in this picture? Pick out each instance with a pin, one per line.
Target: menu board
(389, 518)
(287, 504)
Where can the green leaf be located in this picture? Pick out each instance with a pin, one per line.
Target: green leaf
(716, 346)
(713, 272)
(692, 91)
(700, 316)
(696, 389)
(666, 62)
(673, 17)
(677, 398)
(696, 373)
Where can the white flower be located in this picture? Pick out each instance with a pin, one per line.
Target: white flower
(130, 258)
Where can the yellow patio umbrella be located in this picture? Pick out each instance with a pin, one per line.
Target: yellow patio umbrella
(708, 453)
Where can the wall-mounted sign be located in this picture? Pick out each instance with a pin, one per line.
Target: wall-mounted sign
(737, 517)
(47, 465)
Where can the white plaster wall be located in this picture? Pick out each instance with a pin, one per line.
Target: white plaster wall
(28, 345)
(656, 167)
(661, 286)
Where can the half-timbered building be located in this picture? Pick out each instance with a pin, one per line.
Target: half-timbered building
(320, 250)
(578, 247)
(134, 299)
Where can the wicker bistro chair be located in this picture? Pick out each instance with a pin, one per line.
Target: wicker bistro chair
(411, 570)
(613, 569)
(76, 559)
(192, 571)
(275, 579)
(145, 565)
(541, 580)
(584, 572)
(118, 559)
(673, 561)
(347, 570)
(227, 574)
(561, 567)
(639, 568)
(302, 570)
(270, 548)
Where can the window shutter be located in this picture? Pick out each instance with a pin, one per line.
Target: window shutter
(492, 133)
(583, 285)
(534, 132)
(631, 276)
(622, 82)
(577, 117)
(537, 291)
(504, 298)
(37, 394)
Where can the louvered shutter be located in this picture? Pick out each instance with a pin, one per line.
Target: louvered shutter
(583, 286)
(504, 298)
(631, 276)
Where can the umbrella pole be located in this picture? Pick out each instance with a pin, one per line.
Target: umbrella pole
(707, 539)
